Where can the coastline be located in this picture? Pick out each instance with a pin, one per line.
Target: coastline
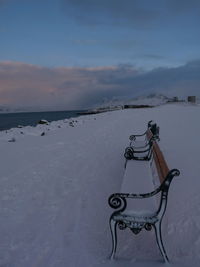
(13, 120)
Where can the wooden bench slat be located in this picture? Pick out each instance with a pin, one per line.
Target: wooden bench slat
(160, 162)
(149, 134)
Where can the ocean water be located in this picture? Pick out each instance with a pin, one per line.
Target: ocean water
(11, 120)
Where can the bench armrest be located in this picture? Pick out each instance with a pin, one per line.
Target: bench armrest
(131, 152)
(138, 149)
(118, 200)
(134, 136)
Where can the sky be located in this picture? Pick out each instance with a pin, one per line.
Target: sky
(71, 54)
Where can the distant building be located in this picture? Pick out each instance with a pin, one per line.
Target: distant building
(191, 99)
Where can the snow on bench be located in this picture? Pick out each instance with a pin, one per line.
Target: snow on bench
(142, 210)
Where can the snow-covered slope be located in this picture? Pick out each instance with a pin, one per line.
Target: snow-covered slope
(151, 100)
(55, 181)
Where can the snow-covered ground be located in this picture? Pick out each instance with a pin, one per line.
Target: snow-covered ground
(54, 189)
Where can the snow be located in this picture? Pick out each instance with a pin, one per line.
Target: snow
(54, 190)
(151, 100)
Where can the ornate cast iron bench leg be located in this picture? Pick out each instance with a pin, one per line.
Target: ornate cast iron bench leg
(113, 226)
(137, 223)
(157, 227)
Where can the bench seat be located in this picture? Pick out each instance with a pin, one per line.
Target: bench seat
(138, 178)
(139, 143)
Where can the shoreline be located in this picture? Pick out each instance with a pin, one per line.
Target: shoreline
(13, 120)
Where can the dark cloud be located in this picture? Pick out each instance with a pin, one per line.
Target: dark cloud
(74, 88)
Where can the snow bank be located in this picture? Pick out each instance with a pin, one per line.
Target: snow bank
(54, 189)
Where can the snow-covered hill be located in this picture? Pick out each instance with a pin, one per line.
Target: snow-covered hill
(151, 100)
(55, 181)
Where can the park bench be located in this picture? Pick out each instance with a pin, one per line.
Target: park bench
(142, 140)
(142, 210)
(140, 145)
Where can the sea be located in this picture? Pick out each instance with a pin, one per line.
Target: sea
(12, 120)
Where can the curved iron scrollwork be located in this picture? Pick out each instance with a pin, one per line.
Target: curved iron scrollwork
(132, 137)
(117, 202)
(135, 227)
(122, 225)
(148, 226)
(129, 153)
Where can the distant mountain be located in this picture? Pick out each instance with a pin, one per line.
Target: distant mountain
(151, 100)
(4, 109)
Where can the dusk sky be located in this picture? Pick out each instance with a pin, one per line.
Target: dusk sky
(69, 54)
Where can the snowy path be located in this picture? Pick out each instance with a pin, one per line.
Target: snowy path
(54, 190)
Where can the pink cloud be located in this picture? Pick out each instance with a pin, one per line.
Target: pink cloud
(56, 88)
(26, 85)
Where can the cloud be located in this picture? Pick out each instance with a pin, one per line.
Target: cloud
(152, 56)
(52, 88)
(136, 13)
(113, 11)
(42, 88)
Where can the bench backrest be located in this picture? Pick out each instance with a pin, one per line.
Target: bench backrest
(155, 130)
(164, 174)
(152, 131)
(149, 134)
(161, 165)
